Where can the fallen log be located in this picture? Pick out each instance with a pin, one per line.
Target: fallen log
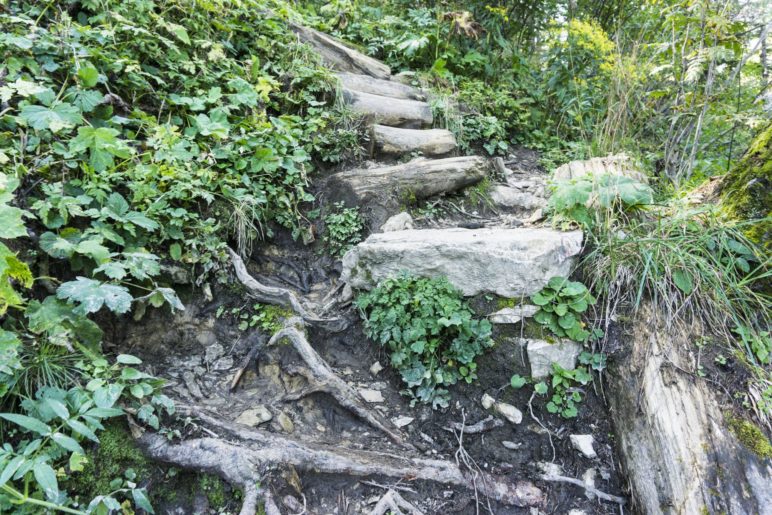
(394, 141)
(396, 112)
(248, 462)
(386, 88)
(679, 454)
(339, 56)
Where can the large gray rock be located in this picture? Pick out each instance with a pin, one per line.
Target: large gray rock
(508, 196)
(541, 356)
(619, 164)
(507, 262)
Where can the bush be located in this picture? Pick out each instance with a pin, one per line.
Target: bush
(430, 331)
(343, 229)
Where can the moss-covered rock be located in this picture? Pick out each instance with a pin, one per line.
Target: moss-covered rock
(751, 436)
(746, 191)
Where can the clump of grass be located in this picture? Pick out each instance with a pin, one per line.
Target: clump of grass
(693, 265)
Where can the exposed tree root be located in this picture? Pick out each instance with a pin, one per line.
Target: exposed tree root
(392, 502)
(482, 426)
(283, 297)
(245, 463)
(589, 489)
(321, 378)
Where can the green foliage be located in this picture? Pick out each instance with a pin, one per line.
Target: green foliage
(343, 229)
(751, 436)
(267, 317)
(587, 200)
(693, 264)
(566, 395)
(430, 331)
(561, 305)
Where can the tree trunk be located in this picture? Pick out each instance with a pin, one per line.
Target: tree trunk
(392, 141)
(680, 456)
(386, 88)
(396, 112)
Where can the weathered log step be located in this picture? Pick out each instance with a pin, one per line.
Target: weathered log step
(394, 141)
(395, 112)
(339, 56)
(508, 262)
(386, 88)
(416, 179)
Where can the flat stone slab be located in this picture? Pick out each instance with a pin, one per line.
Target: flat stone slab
(383, 87)
(396, 142)
(507, 262)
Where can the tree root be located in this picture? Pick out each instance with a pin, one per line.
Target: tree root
(245, 463)
(589, 489)
(322, 379)
(283, 297)
(482, 426)
(392, 502)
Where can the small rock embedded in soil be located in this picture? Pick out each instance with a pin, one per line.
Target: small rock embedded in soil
(213, 352)
(285, 422)
(225, 363)
(371, 395)
(583, 444)
(402, 421)
(512, 446)
(512, 315)
(376, 368)
(399, 222)
(192, 385)
(550, 469)
(507, 411)
(542, 354)
(254, 416)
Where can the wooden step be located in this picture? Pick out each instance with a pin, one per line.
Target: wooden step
(393, 141)
(339, 56)
(417, 179)
(395, 112)
(386, 88)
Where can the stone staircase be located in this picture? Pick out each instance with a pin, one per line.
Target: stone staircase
(494, 258)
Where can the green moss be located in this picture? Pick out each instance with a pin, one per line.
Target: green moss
(215, 491)
(746, 190)
(751, 436)
(116, 453)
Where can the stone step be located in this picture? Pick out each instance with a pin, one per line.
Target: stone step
(394, 141)
(386, 88)
(395, 112)
(508, 262)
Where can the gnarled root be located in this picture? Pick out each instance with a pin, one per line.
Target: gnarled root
(246, 462)
(322, 379)
(392, 502)
(283, 297)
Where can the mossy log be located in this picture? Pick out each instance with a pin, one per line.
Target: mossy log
(746, 191)
(386, 88)
(395, 112)
(393, 141)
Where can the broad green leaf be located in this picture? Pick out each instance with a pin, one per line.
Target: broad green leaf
(683, 280)
(11, 469)
(46, 478)
(88, 74)
(57, 407)
(86, 99)
(82, 429)
(67, 442)
(77, 461)
(91, 295)
(128, 359)
(540, 388)
(29, 423)
(60, 116)
(175, 251)
(102, 144)
(180, 33)
(141, 500)
(517, 381)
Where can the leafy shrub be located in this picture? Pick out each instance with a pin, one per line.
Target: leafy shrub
(585, 200)
(561, 305)
(343, 229)
(430, 331)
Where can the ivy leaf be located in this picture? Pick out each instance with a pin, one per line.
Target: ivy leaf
(60, 116)
(102, 143)
(517, 381)
(91, 295)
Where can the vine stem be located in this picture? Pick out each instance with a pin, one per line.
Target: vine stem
(23, 499)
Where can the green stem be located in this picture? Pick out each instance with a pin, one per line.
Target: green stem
(26, 499)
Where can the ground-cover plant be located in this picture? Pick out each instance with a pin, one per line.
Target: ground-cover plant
(430, 332)
(342, 229)
(592, 200)
(561, 306)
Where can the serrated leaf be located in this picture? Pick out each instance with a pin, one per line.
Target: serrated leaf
(102, 144)
(540, 388)
(55, 118)
(91, 295)
(86, 99)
